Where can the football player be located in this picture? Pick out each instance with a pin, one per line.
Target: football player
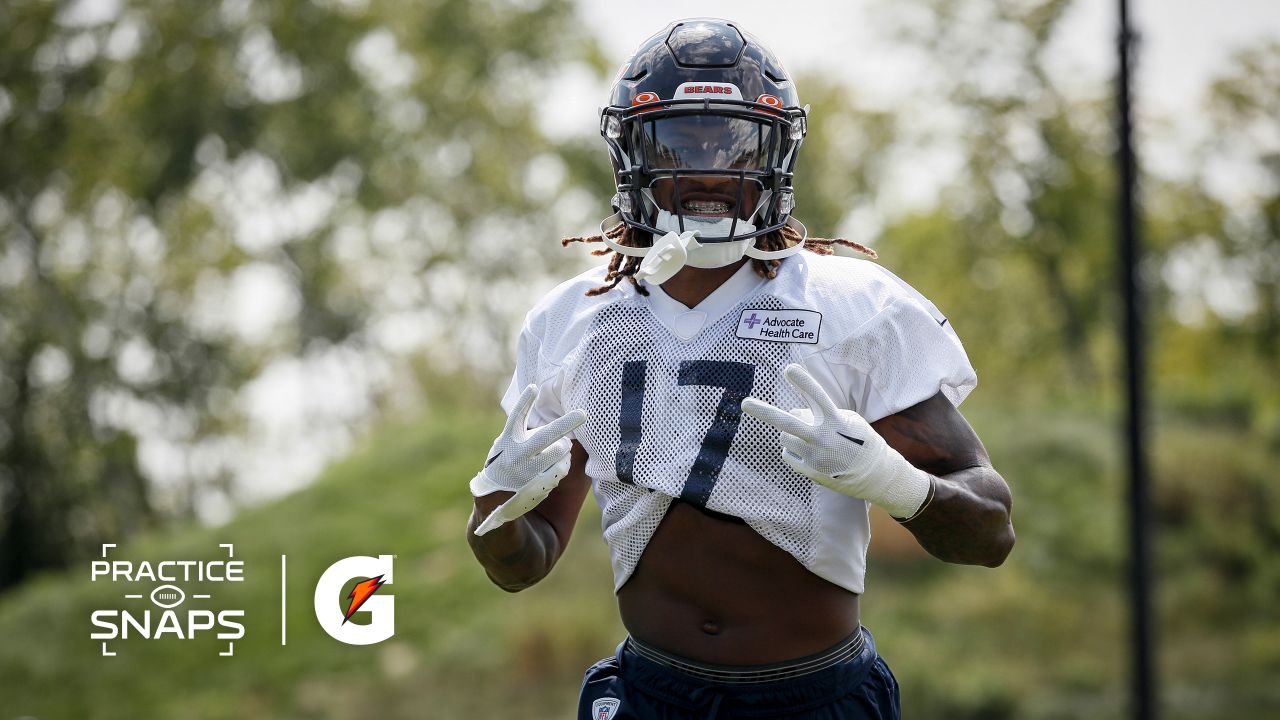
(735, 405)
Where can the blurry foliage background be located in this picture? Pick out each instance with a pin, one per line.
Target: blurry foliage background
(199, 199)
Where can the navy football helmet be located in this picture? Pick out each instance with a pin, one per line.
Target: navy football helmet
(703, 127)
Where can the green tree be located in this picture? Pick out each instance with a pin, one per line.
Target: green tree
(352, 159)
(1028, 219)
(1245, 113)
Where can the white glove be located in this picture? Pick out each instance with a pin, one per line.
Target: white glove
(839, 449)
(528, 464)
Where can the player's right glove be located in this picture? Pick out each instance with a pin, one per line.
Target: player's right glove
(530, 464)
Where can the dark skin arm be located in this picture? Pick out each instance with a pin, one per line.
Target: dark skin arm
(966, 520)
(523, 551)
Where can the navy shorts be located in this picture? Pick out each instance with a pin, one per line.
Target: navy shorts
(635, 686)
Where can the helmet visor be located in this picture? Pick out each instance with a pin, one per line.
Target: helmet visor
(708, 142)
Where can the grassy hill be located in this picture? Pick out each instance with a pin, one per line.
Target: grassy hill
(1044, 636)
(462, 647)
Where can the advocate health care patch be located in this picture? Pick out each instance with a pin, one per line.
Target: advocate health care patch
(791, 326)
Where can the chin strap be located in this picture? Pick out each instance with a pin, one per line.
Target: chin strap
(612, 222)
(794, 224)
(752, 251)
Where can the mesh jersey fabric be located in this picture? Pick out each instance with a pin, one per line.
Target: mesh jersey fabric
(662, 386)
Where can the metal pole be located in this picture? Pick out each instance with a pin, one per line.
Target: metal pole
(1144, 684)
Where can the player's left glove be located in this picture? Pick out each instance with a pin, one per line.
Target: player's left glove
(839, 449)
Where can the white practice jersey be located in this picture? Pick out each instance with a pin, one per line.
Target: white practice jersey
(662, 385)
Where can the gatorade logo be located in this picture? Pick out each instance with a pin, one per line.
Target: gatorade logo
(333, 611)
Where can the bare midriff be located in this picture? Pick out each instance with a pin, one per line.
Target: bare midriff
(716, 591)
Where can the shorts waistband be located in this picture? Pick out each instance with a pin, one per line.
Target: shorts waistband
(842, 651)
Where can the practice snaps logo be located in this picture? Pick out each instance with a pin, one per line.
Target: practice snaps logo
(164, 617)
(335, 611)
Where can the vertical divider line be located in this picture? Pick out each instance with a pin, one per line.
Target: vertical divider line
(283, 621)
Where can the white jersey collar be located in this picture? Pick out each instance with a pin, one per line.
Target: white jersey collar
(686, 322)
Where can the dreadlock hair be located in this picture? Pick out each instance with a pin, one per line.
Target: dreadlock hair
(622, 266)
